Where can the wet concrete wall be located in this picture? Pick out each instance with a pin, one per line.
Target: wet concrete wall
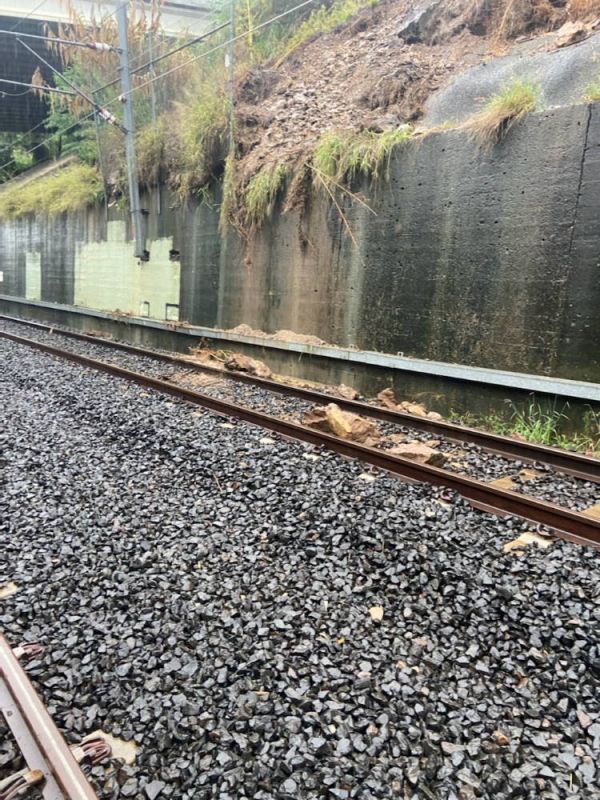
(489, 258)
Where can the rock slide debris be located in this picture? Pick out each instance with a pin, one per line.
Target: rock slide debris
(240, 363)
(331, 419)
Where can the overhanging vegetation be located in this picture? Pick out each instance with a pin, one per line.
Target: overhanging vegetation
(68, 189)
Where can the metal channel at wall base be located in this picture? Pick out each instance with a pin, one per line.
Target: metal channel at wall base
(519, 381)
(36, 734)
(567, 524)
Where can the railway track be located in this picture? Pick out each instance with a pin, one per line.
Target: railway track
(52, 766)
(563, 522)
(576, 464)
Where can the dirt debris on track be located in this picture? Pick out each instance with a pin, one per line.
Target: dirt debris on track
(463, 458)
(207, 592)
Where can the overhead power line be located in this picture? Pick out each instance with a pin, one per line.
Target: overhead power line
(33, 10)
(178, 49)
(101, 46)
(218, 47)
(102, 112)
(38, 88)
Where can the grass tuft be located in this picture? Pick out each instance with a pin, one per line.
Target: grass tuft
(351, 156)
(228, 201)
(68, 189)
(542, 426)
(592, 93)
(502, 112)
(202, 133)
(151, 148)
(262, 192)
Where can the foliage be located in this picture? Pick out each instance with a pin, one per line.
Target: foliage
(262, 192)
(14, 153)
(73, 136)
(592, 93)
(229, 192)
(151, 151)
(346, 157)
(542, 425)
(322, 20)
(64, 190)
(258, 46)
(503, 111)
(201, 126)
(580, 9)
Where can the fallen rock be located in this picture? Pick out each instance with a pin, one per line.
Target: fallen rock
(501, 738)
(252, 366)
(419, 452)
(347, 392)
(434, 416)
(571, 33)
(413, 408)
(525, 539)
(331, 419)
(388, 399)
(418, 24)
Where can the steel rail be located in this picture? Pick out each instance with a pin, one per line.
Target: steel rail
(39, 740)
(576, 464)
(565, 523)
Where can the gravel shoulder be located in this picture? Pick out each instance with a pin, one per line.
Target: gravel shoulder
(207, 592)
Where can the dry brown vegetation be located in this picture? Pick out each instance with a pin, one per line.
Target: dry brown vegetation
(502, 112)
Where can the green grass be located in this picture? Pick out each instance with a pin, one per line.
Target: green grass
(200, 139)
(347, 157)
(229, 197)
(503, 111)
(151, 151)
(262, 192)
(542, 426)
(321, 21)
(592, 93)
(68, 189)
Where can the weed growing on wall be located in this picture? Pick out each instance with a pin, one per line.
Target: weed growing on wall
(262, 192)
(592, 93)
(347, 157)
(503, 111)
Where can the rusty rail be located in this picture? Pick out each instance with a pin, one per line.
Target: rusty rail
(51, 764)
(565, 523)
(576, 464)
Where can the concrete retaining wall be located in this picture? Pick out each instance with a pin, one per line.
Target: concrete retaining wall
(487, 258)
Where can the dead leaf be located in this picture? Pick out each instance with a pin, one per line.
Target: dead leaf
(376, 613)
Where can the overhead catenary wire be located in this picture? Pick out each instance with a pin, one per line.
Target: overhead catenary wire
(153, 61)
(102, 112)
(118, 97)
(218, 47)
(100, 46)
(31, 86)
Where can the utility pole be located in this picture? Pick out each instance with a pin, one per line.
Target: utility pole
(137, 219)
(231, 65)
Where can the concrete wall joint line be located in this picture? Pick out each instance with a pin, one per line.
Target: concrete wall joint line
(581, 169)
